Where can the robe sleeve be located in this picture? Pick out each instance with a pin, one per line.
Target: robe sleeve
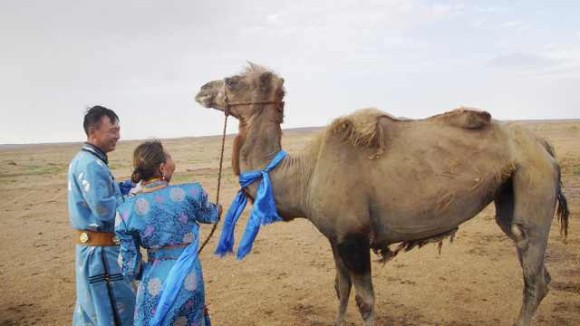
(206, 212)
(98, 189)
(130, 258)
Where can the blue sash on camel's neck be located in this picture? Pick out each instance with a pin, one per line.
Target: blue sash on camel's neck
(264, 211)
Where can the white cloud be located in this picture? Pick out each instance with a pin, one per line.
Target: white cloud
(489, 9)
(550, 62)
(273, 19)
(444, 10)
(523, 61)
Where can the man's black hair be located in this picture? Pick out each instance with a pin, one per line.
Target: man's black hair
(95, 114)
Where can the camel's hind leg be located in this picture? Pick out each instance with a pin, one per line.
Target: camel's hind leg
(533, 211)
(342, 285)
(354, 252)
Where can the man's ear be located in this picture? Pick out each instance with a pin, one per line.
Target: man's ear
(91, 131)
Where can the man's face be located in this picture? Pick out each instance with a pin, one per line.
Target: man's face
(105, 135)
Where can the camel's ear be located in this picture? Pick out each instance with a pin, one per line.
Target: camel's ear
(265, 80)
(253, 66)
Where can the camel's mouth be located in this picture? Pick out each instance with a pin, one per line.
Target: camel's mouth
(207, 94)
(205, 100)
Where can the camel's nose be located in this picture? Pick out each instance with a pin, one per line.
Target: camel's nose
(211, 85)
(207, 93)
(206, 86)
(202, 97)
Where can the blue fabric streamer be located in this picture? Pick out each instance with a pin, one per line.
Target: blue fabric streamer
(174, 281)
(126, 186)
(264, 211)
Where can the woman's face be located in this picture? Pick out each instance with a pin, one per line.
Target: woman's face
(168, 167)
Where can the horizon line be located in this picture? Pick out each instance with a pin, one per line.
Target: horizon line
(8, 145)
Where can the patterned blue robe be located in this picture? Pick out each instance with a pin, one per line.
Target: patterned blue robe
(104, 296)
(162, 218)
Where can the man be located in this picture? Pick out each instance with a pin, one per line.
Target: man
(104, 296)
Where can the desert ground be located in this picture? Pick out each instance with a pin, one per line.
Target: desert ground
(289, 277)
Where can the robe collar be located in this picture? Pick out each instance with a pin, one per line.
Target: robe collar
(88, 147)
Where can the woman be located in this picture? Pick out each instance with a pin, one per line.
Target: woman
(163, 219)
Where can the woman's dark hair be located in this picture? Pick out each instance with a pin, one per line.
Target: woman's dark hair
(146, 160)
(95, 114)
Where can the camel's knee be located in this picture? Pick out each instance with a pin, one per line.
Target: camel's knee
(365, 306)
(520, 236)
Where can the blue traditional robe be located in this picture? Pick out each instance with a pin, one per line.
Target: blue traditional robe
(104, 296)
(162, 221)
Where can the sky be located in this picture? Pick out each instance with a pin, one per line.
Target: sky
(411, 58)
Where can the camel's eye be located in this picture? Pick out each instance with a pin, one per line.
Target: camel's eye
(231, 82)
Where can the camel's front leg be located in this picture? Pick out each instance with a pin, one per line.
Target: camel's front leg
(355, 253)
(342, 285)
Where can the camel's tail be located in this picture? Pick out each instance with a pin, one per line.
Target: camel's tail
(562, 212)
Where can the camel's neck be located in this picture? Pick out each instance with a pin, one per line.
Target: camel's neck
(261, 141)
(258, 142)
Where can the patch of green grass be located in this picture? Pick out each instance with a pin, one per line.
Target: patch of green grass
(576, 170)
(36, 170)
(181, 178)
(44, 169)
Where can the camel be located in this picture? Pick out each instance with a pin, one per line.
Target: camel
(369, 181)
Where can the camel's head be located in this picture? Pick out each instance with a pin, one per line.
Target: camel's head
(245, 95)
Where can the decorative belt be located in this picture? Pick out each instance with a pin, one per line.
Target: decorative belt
(93, 238)
(166, 253)
(181, 245)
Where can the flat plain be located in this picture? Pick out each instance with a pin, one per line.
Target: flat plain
(289, 277)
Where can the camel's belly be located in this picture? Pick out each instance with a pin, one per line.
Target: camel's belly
(401, 225)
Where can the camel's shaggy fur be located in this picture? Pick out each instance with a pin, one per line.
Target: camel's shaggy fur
(468, 118)
(361, 128)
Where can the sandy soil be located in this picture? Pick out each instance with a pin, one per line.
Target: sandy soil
(288, 280)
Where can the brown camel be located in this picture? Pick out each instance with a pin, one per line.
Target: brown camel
(370, 180)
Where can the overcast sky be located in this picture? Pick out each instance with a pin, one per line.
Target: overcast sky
(147, 59)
